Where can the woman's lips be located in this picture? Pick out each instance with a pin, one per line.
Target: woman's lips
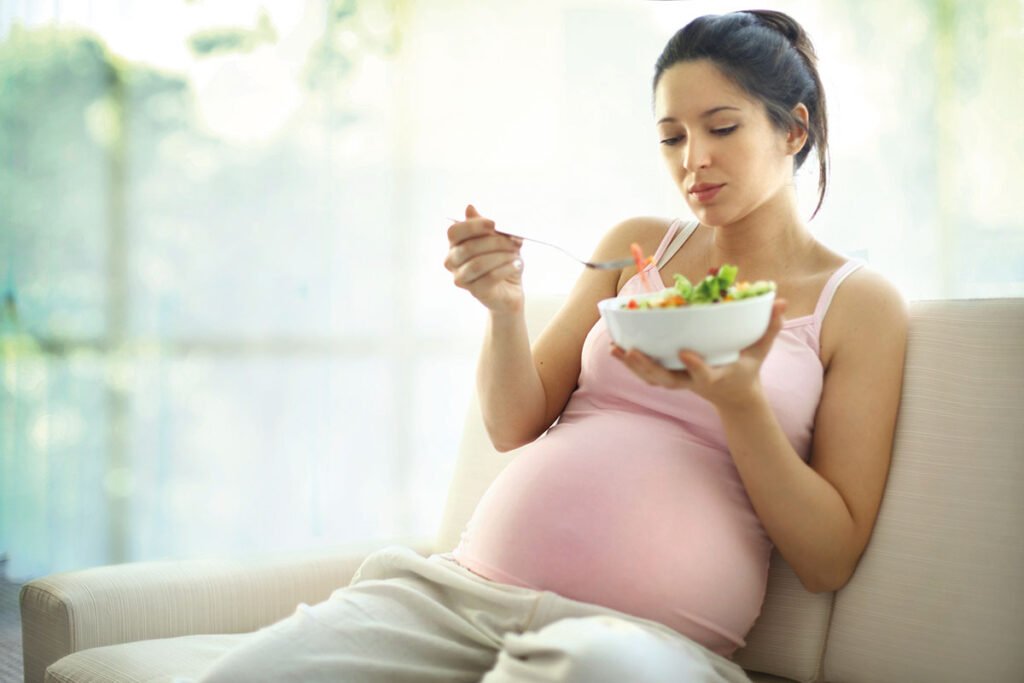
(705, 192)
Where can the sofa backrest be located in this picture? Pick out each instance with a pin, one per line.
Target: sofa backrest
(477, 463)
(939, 593)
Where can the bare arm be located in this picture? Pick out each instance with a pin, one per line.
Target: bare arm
(522, 390)
(511, 393)
(820, 516)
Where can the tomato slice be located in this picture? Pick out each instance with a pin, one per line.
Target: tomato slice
(638, 255)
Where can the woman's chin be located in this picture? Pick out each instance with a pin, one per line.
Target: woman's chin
(709, 215)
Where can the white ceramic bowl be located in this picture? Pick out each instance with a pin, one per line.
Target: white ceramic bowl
(718, 332)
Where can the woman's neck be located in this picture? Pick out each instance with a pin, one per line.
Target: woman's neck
(770, 241)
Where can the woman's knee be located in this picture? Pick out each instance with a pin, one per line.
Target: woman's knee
(604, 648)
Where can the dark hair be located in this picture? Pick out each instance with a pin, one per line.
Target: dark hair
(768, 55)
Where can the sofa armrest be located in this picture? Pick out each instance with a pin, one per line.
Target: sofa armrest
(72, 611)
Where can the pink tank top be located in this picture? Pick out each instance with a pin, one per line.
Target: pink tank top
(632, 501)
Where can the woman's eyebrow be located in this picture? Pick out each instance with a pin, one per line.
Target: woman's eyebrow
(709, 112)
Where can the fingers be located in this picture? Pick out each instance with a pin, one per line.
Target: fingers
(761, 347)
(649, 370)
(485, 262)
(470, 229)
(694, 362)
(475, 225)
(488, 267)
(778, 309)
(469, 250)
(473, 237)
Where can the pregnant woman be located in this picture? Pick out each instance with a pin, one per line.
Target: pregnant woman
(629, 541)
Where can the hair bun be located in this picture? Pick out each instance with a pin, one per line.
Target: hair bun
(784, 24)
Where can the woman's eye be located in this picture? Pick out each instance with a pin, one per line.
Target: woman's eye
(672, 141)
(724, 131)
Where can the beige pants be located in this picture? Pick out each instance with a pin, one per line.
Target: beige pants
(409, 618)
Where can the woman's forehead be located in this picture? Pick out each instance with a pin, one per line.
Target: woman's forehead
(691, 89)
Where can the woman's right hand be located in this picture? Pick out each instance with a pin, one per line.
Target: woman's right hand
(486, 263)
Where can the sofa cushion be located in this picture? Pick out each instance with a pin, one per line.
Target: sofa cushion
(756, 677)
(78, 610)
(939, 592)
(170, 660)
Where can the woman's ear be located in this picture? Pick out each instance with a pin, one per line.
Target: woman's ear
(797, 137)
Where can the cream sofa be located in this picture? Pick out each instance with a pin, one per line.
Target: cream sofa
(938, 596)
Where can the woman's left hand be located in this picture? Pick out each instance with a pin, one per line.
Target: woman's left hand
(722, 385)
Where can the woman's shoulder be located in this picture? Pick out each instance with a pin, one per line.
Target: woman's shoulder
(866, 305)
(646, 231)
(866, 290)
(861, 284)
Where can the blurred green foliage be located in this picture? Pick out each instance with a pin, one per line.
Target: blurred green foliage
(97, 148)
(212, 41)
(343, 9)
(352, 32)
(66, 138)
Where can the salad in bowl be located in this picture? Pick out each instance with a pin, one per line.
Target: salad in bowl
(718, 286)
(717, 317)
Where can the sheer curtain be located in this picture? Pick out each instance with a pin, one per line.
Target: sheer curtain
(227, 327)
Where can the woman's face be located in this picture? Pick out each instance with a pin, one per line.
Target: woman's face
(721, 149)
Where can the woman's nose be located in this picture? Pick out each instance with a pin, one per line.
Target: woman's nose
(695, 156)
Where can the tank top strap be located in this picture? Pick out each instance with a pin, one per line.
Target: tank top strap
(829, 291)
(675, 237)
(673, 229)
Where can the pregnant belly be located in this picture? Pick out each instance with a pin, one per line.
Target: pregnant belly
(624, 511)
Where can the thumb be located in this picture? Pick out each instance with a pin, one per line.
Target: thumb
(764, 344)
(471, 211)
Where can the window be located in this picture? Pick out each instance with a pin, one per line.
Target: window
(227, 324)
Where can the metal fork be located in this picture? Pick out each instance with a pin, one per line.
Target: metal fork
(616, 264)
